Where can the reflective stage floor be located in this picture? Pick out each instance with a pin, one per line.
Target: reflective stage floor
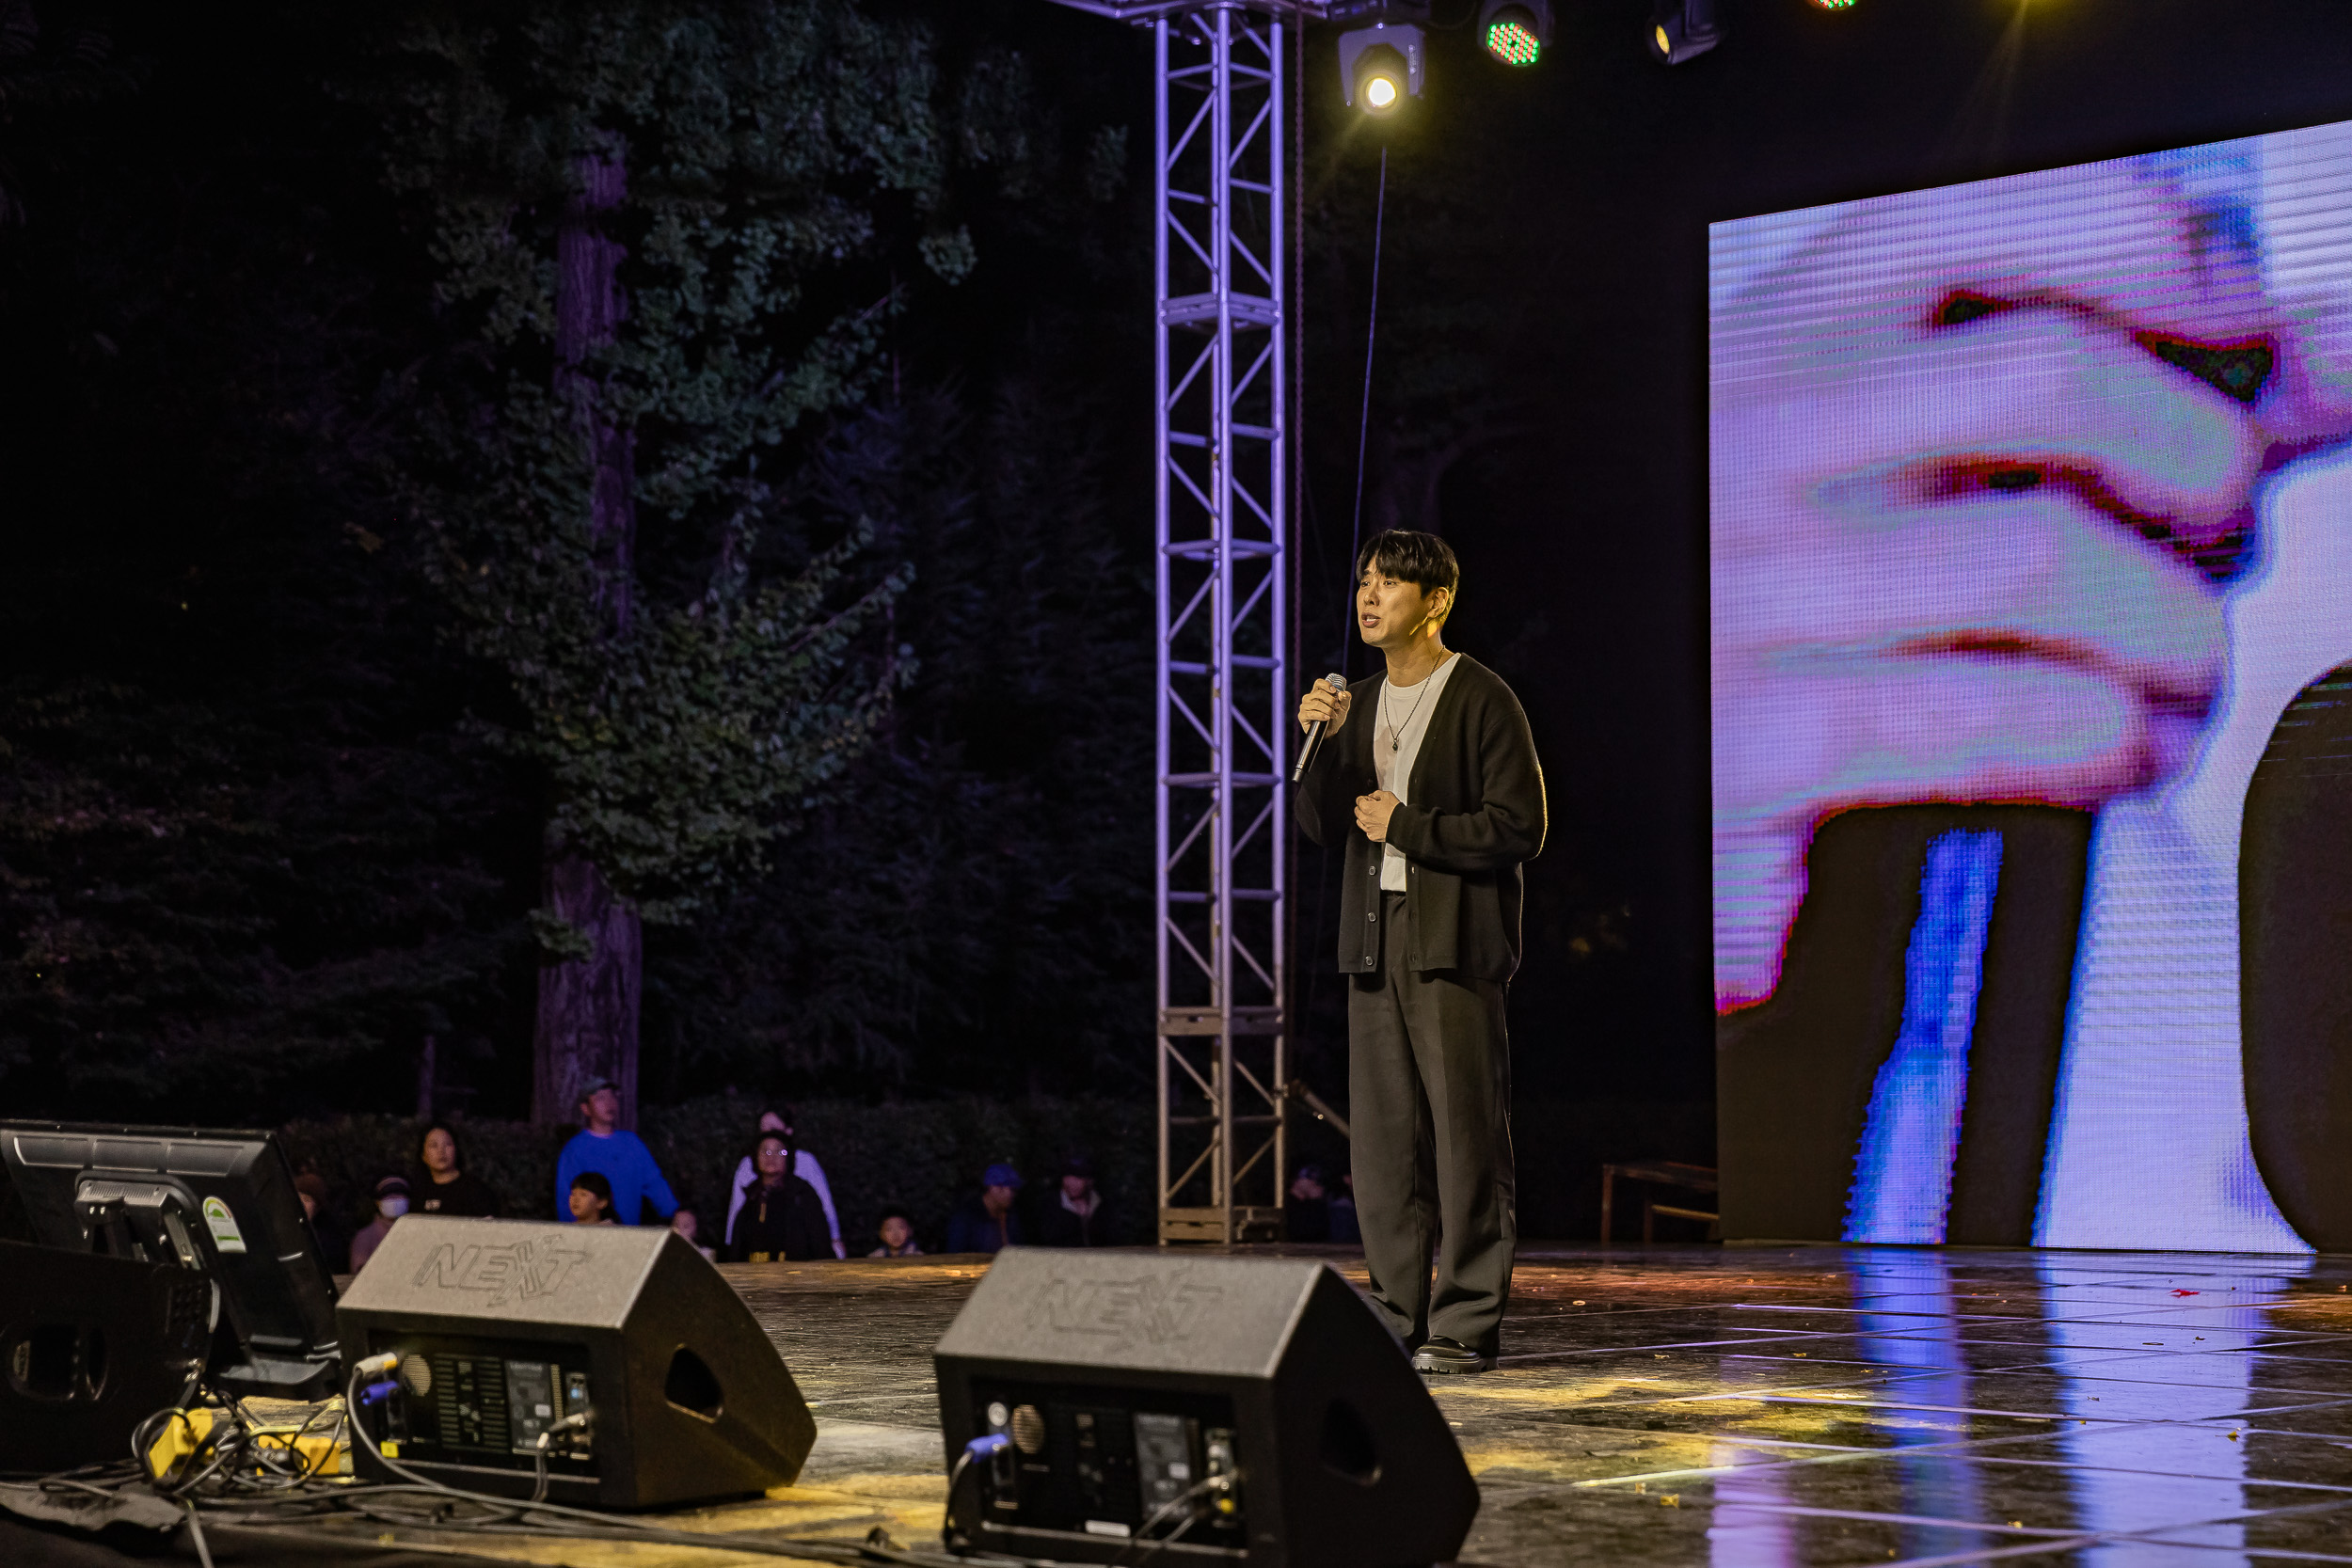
(1723, 1406)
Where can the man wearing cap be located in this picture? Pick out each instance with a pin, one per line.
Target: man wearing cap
(1073, 1214)
(620, 1156)
(986, 1222)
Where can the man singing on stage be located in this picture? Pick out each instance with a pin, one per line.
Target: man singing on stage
(1439, 799)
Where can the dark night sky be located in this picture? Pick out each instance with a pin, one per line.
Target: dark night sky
(1547, 238)
(1592, 529)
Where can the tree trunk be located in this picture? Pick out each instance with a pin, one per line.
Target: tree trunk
(588, 1008)
(428, 1072)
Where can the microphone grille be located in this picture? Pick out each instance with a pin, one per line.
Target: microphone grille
(1336, 681)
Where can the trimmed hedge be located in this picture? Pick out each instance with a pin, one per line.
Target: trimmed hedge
(924, 1156)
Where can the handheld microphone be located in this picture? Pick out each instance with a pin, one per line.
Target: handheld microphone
(1314, 732)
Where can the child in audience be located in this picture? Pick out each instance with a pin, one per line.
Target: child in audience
(897, 1234)
(591, 1200)
(684, 1223)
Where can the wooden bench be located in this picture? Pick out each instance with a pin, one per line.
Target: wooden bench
(1662, 1173)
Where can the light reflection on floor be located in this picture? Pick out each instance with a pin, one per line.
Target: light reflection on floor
(1768, 1408)
(1909, 1406)
(1753, 1408)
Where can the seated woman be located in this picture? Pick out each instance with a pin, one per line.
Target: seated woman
(447, 1188)
(779, 1218)
(591, 1199)
(804, 1165)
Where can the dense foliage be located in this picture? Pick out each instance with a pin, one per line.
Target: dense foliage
(660, 335)
(280, 760)
(274, 809)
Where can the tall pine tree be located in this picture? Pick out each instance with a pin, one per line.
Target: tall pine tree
(661, 226)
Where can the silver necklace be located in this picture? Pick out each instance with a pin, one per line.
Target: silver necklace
(1395, 729)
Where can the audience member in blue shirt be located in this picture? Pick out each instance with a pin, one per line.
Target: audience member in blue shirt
(620, 1156)
(987, 1222)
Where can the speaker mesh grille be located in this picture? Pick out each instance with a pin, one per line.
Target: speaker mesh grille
(1028, 1430)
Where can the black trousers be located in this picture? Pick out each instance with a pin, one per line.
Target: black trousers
(1429, 1112)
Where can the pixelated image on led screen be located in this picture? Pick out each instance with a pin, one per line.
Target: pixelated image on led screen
(2030, 516)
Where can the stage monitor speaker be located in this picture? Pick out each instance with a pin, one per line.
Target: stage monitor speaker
(1235, 1410)
(508, 1329)
(91, 1347)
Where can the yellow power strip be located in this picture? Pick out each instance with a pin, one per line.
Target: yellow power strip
(325, 1450)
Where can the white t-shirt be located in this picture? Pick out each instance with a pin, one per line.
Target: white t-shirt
(1402, 718)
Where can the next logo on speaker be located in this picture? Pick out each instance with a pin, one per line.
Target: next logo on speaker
(520, 1270)
(1153, 1308)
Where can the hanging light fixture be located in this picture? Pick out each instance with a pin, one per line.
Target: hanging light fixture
(1515, 31)
(1682, 30)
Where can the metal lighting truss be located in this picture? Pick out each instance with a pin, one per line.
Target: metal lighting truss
(1224, 611)
(1223, 716)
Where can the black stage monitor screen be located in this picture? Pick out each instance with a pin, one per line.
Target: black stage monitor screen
(221, 1202)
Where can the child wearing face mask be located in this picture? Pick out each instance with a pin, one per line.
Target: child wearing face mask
(392, 1201)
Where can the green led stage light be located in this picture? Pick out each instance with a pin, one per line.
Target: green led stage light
(1515, 31)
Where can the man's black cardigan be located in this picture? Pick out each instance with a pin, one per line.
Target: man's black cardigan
(1475, 812)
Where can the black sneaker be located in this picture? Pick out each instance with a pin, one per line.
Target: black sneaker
(1449, 1356)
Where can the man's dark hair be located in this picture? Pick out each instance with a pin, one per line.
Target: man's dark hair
(894, 1212)
(1420, 559)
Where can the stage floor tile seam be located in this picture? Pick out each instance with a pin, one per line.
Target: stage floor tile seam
(2318, 1396)
(1713, 1370)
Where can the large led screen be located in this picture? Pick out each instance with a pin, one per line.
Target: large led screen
(2031, 519)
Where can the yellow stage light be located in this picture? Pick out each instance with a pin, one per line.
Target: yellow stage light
(1380, 65)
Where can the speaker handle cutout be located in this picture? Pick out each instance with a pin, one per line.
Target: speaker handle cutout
(692, 1387)
(1347, 1448)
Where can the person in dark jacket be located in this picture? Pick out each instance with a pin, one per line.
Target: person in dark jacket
(781, 1219)
(1340, 1210)
(1437, 799)
(447, 1187)
(987, 1222)
(334, 1241)
(1072, 1213)
(1306, 1212)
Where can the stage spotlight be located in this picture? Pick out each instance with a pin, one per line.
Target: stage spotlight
(1516, 31)
(1682, 30)
(1834, 5)
(1380, 65)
